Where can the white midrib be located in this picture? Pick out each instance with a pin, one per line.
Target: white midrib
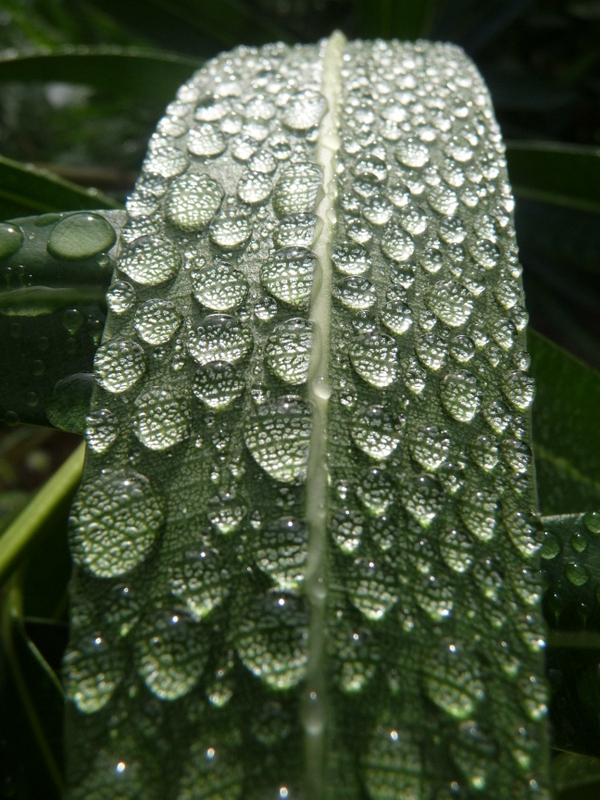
(314, 708)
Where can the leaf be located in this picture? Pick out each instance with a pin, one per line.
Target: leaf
(576, 777)
(26, 190)
(408, 19)
(561, 174)
(50, 327)
(195, 26)
(132, 71)
(305, 560)
(565, 431)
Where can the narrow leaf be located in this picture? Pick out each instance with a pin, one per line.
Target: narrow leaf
(555, 173)
(25, 190)
(132, 71)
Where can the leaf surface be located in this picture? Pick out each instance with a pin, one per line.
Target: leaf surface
(305, 557)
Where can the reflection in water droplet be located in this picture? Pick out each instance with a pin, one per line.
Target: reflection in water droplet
(157, 321)
(375, 431)
(281, 552)
(102, 430)
(80, 236)
(199, 580)
(375, 358)
(460, 395)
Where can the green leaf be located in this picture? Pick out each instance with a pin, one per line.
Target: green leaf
(576, 777)
(566, 434)
(562, 174)
(25, 190)
(306, 513)
(404, 19)
(195, 26)
(132, 71)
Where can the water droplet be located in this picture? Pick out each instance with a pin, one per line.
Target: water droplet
(288, 351)
(430, 447)
(523, 534)
(397, 317)
(576, 574)
(93, 669)
(443, 200)
(102, 430)
(375, 431)
(265, 309)
(412, 153)
(120, 297)
(396, 243)
(297, 190)
(119, 365)
(422, 497)
(375, 491)
(484, 453)
(372, 589)
(459, 149)
(377, 210)
(450, 303)
(591, 520)
(200, 581)
(551, 546)
(278, 438)
(217, 385)
(80, 236)
(211, 108)
(304, 110)
(192, 202)
(11, 239)
(206, 141)
(459, 392)
(346, 527)
(115, 521)
(230, 229)
(220, 287)
(462, 349)
(452, 680)
(392, 763)
(478, 511)
(518, 388)
(288, 276)
(161, 420)
(243, 147)
(375, 358)
(297, 230)
(167, 161)
(219, 338)
(357, 294)
(264, 162)
(484, 252)
(172, 652)
(151, 260)
(431, 350)
(457, 550)
(254, 187)
(272, 640)
(281, 552)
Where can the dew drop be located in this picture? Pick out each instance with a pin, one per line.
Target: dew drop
(278, 438)
(161, 420)
(119, 365)
(288, 351)
(157, 321)
(217, 385)
(192, 202)
(375, 432)
(459, 392)
(151, 260)
(219, 338)
(220, 287)
(80, 236)
(206, 141)
(288, 276)
(375, 358)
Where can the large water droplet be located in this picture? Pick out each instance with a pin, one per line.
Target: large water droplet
(192, 201)
(288, 276)
(304, 110)
(375, 431)
(297, 230)
(460, 395)
(397, 243)
(161, 420)
(102, 430)
(119, 365)
(430, 447)
(200, 581)
(453, 681)
(220, 287)
(281, 552)
(206, 140)
(450, 303)
(219, 338)
(373, 591)
(288, 351)
(254, 187)
(278, 437)
(422, 497)
(92, 670)
(157, 321)
(297, 190)
(375, 358)
(217, 385)
(115, 520)
(518, 388)
(357, 294)
(231, 229)
(272, 640)
(172, 652)
(80, 236)
(11, 239)
(412, 153)
(478, 510)
(151, 260)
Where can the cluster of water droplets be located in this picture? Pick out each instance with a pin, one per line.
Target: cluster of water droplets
(430, 386)
(190, 532)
